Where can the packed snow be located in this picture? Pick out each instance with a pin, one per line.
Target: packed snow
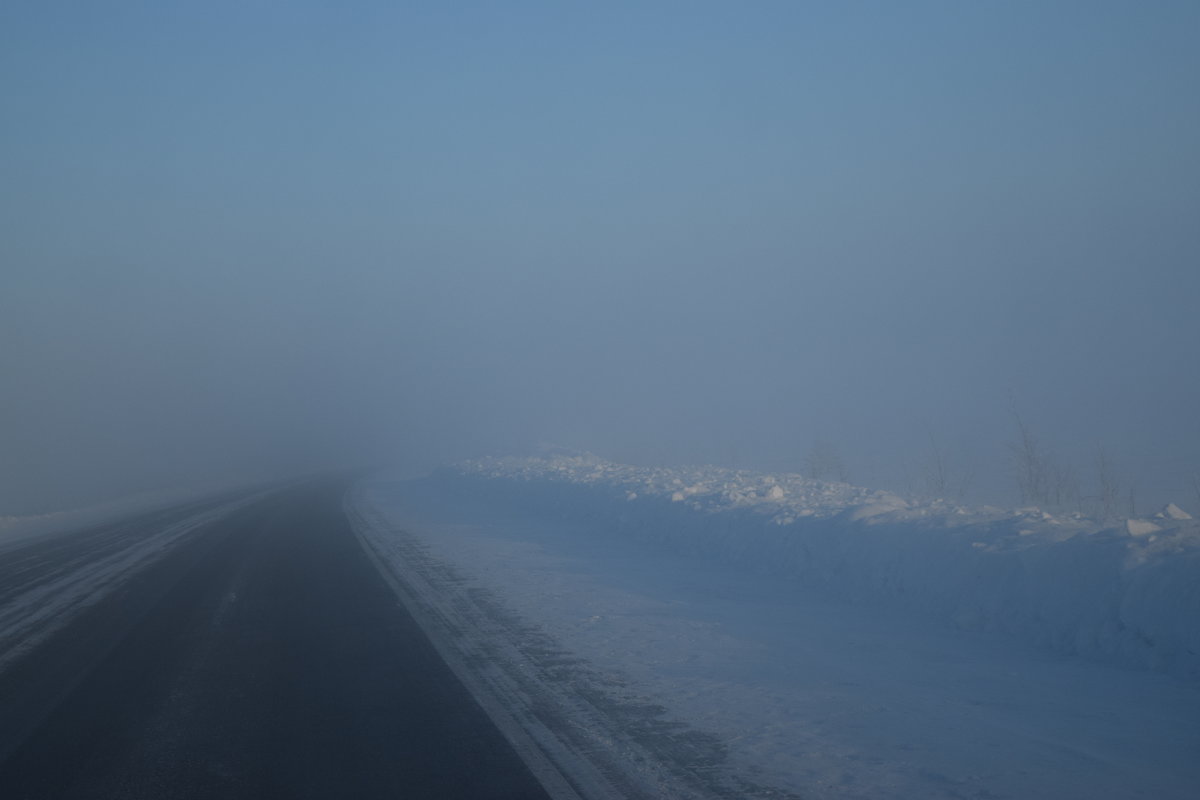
(32, 612)
(835, 641)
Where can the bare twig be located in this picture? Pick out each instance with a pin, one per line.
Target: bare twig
(1029, 464)
(1109, 488)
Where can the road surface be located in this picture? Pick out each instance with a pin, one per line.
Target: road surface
(262, 657)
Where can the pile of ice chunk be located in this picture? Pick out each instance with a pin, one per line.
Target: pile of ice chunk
(784, 497)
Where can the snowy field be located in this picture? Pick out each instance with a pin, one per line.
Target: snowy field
(826, 641)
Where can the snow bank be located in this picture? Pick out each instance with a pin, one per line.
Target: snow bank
(1129, 594)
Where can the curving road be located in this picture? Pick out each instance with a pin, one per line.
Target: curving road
(262, 656)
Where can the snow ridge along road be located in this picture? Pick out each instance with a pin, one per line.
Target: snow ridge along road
(596, 600)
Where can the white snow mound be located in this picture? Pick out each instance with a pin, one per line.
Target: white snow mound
(1172, 511)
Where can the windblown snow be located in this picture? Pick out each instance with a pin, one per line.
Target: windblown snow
(836, 641)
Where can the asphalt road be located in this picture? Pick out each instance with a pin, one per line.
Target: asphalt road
(264, 657)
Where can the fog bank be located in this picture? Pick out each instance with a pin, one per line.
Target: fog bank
(261, 239)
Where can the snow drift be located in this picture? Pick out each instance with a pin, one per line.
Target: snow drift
(1127, 593)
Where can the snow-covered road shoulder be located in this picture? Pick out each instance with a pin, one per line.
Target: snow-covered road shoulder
(583, 735)
(652, 637)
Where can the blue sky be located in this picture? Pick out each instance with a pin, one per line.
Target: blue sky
(663, 231)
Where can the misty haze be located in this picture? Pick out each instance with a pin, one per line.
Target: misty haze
(622, 400)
